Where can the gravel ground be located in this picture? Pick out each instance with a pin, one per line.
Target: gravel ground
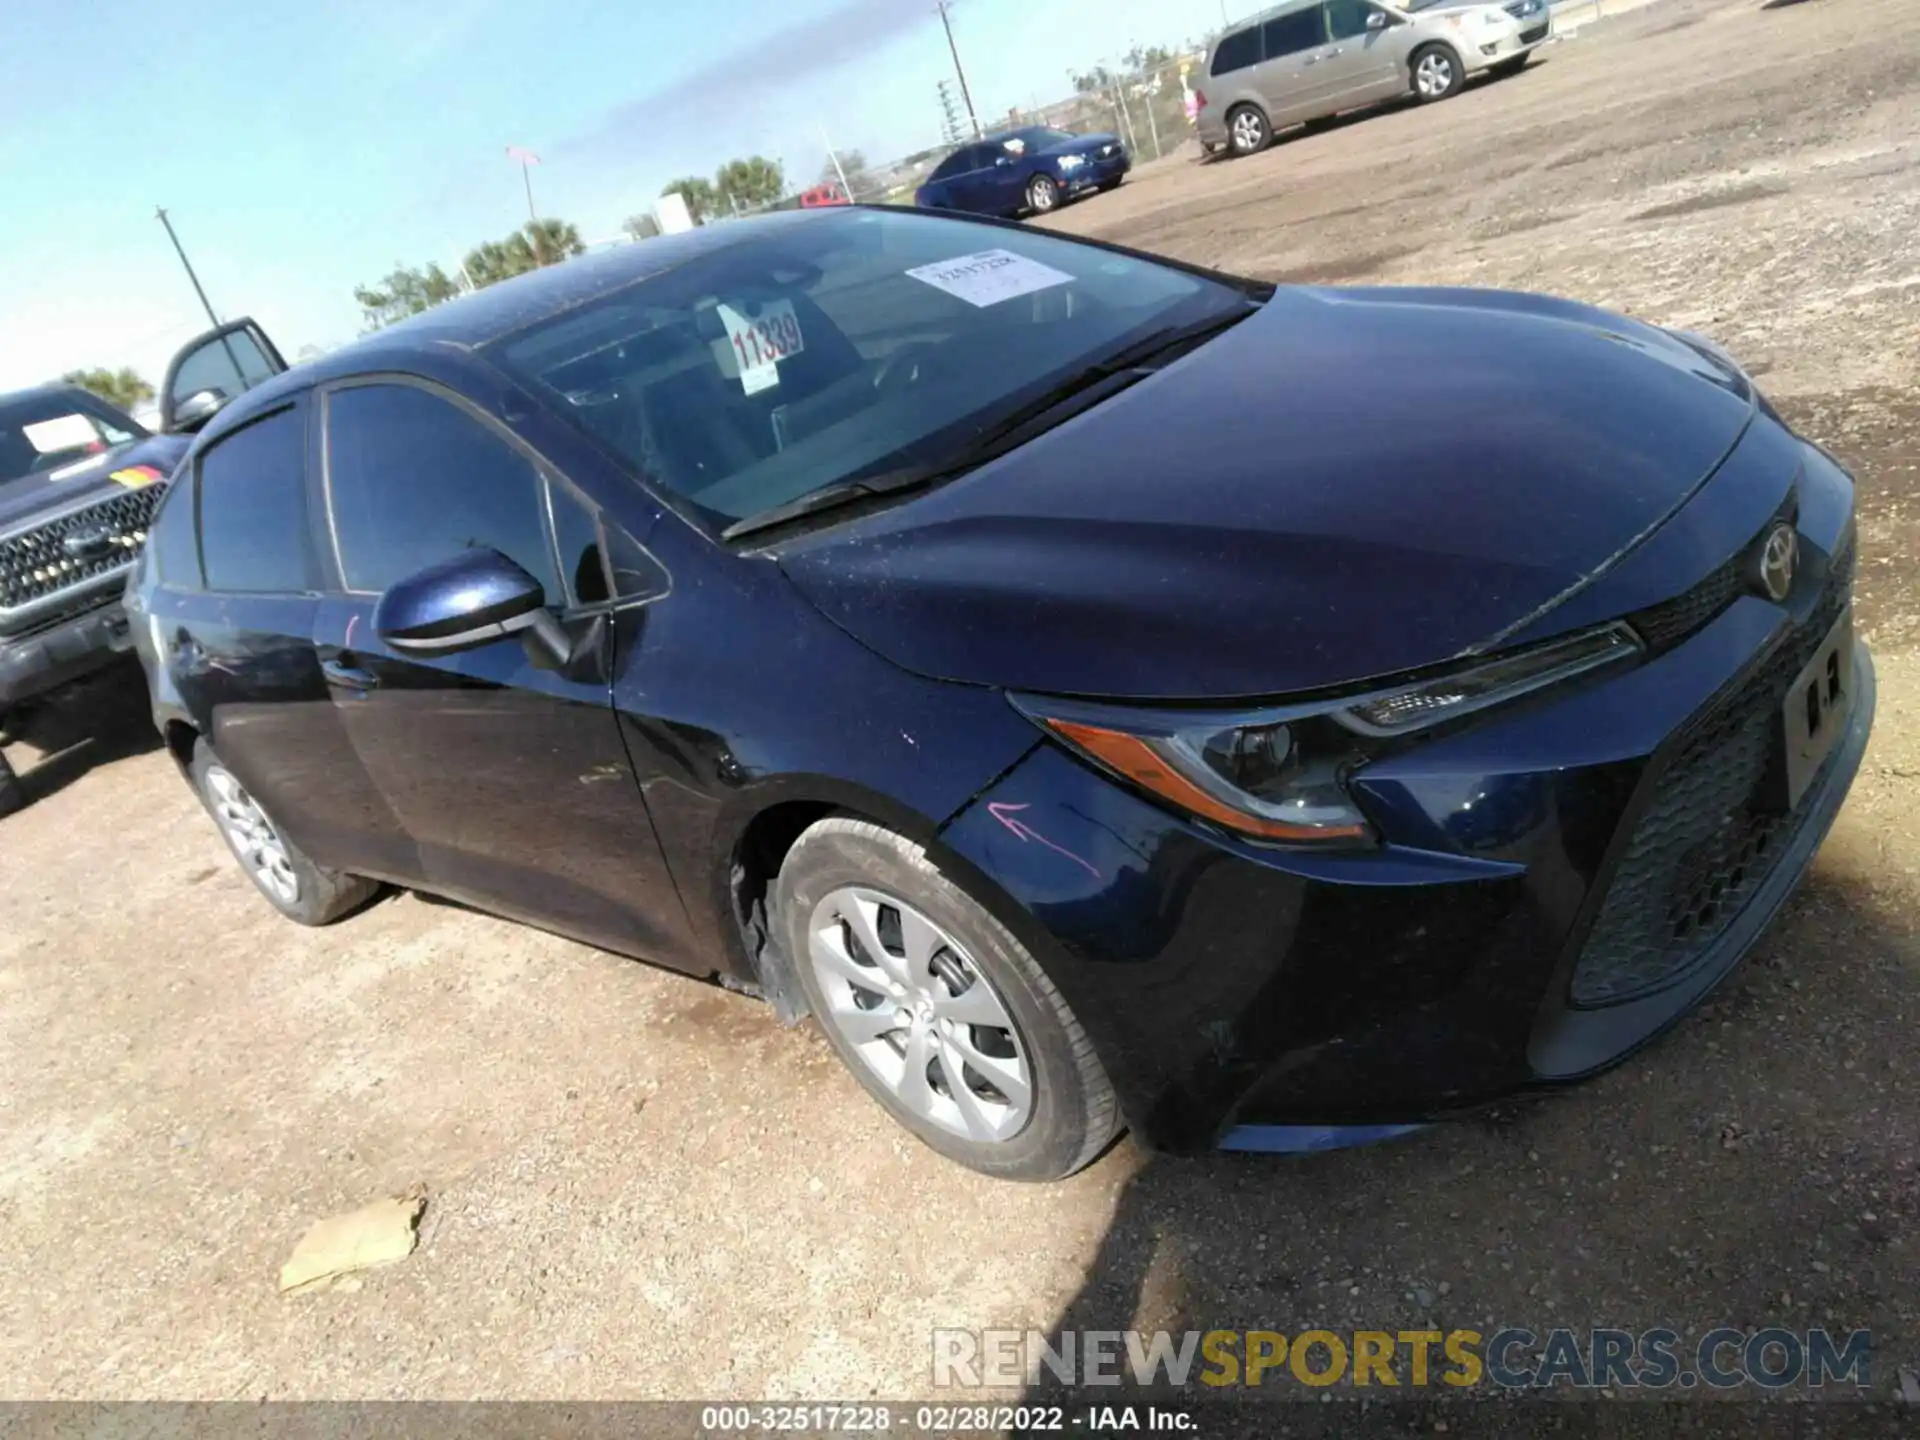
(642, 1186)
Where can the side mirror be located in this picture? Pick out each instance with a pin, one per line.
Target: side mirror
(475, 598)
(1001, 160)
(1377, 20)
(198, 408)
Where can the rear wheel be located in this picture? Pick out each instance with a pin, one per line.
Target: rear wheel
(938, 1010)
(1247, 130)
(296, 887)
(1043, 194)
(1436, 73)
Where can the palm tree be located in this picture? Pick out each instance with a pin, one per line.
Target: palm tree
(552, 241)
(122, 387)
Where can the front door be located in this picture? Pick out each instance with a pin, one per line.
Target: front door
(1358, 64)
(512, 780)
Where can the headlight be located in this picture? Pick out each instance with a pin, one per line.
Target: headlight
(1072, 162)
(1280, 774)
(1491, 18)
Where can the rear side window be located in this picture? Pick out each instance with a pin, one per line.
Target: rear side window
(253, 508)
(170, 543)
(958, 163)
(413, 479)
(1290, 34)
(1237, 51)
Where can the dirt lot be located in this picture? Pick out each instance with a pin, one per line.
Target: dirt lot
(641, 1186)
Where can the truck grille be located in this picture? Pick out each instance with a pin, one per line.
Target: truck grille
(40, 563)
(1533, 36)
(1709, 840)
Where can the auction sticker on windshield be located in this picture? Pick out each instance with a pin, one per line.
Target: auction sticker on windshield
(990, 276)
(759, 343)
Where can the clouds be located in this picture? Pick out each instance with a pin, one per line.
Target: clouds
(749, 67)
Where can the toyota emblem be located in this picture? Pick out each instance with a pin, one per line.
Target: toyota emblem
(1778, 558)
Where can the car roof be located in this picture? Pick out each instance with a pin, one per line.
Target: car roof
(53, 389)
(1272, 12)
(484, 316)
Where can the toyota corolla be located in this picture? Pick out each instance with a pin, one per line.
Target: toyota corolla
(1098, 691)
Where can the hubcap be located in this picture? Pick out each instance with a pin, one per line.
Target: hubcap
(1246, 130)
(1436, 73)
(1042, 196)
(910, 1002)
(252, 836)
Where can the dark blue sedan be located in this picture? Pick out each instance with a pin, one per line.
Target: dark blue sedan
(1098, 690)
(1031, 171)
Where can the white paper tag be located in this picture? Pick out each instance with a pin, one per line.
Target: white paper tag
(64, 432)
(990, 276)
(757, 345)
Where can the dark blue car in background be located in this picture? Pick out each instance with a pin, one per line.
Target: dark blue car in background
(1098, 690)
(1032, 171)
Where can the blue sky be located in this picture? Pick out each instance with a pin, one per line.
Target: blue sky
(305, 146)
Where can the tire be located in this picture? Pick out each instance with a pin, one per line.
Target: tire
(13, 795)
(840, 881)
(1043, 195)
(299, 889)
(1511, 67)
(1436, 73)
(1248, 130)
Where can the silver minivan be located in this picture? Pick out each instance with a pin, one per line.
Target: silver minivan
(1304, 60)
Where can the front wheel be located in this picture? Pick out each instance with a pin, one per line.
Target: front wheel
(295, 886)
(1043, 194)
(1436, 73)
(939, 1011)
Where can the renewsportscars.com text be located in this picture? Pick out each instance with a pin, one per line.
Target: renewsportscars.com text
(1772, 1358)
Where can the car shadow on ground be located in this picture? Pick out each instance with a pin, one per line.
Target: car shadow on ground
(1746, 1170)
(105, 717)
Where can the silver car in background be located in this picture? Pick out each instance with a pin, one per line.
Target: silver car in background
(1304, 60)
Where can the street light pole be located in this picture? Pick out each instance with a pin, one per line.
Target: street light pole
(205, 304)
(965, 94)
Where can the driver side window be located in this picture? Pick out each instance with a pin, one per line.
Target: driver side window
(413, 479)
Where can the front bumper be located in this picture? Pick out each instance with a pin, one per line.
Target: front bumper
(68, 649)
(1096, 172)
(1479, 54)
(1230, 987)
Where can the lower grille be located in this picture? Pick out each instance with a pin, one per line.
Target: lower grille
(40, 562)
(1533, 36)
(1709, 839)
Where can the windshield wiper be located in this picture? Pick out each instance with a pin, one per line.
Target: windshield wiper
(844, 492)
(1088, 385)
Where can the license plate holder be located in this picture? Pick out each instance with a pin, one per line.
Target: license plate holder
(1814, 714)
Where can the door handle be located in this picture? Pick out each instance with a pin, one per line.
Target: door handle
(348, 677)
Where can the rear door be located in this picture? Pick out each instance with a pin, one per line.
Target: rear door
(237, 640)
(1289, 78)
(213, 369)
(513, 780)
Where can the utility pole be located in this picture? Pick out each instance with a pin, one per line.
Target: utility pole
(205, 304)
(965, 94)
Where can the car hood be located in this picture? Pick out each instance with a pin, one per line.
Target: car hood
(1082, 145)
(31, 495)
(1349, 484)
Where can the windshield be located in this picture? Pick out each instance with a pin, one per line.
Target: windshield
(43, 433)
(1039, 137)
(817, 352)
(1427, 4)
